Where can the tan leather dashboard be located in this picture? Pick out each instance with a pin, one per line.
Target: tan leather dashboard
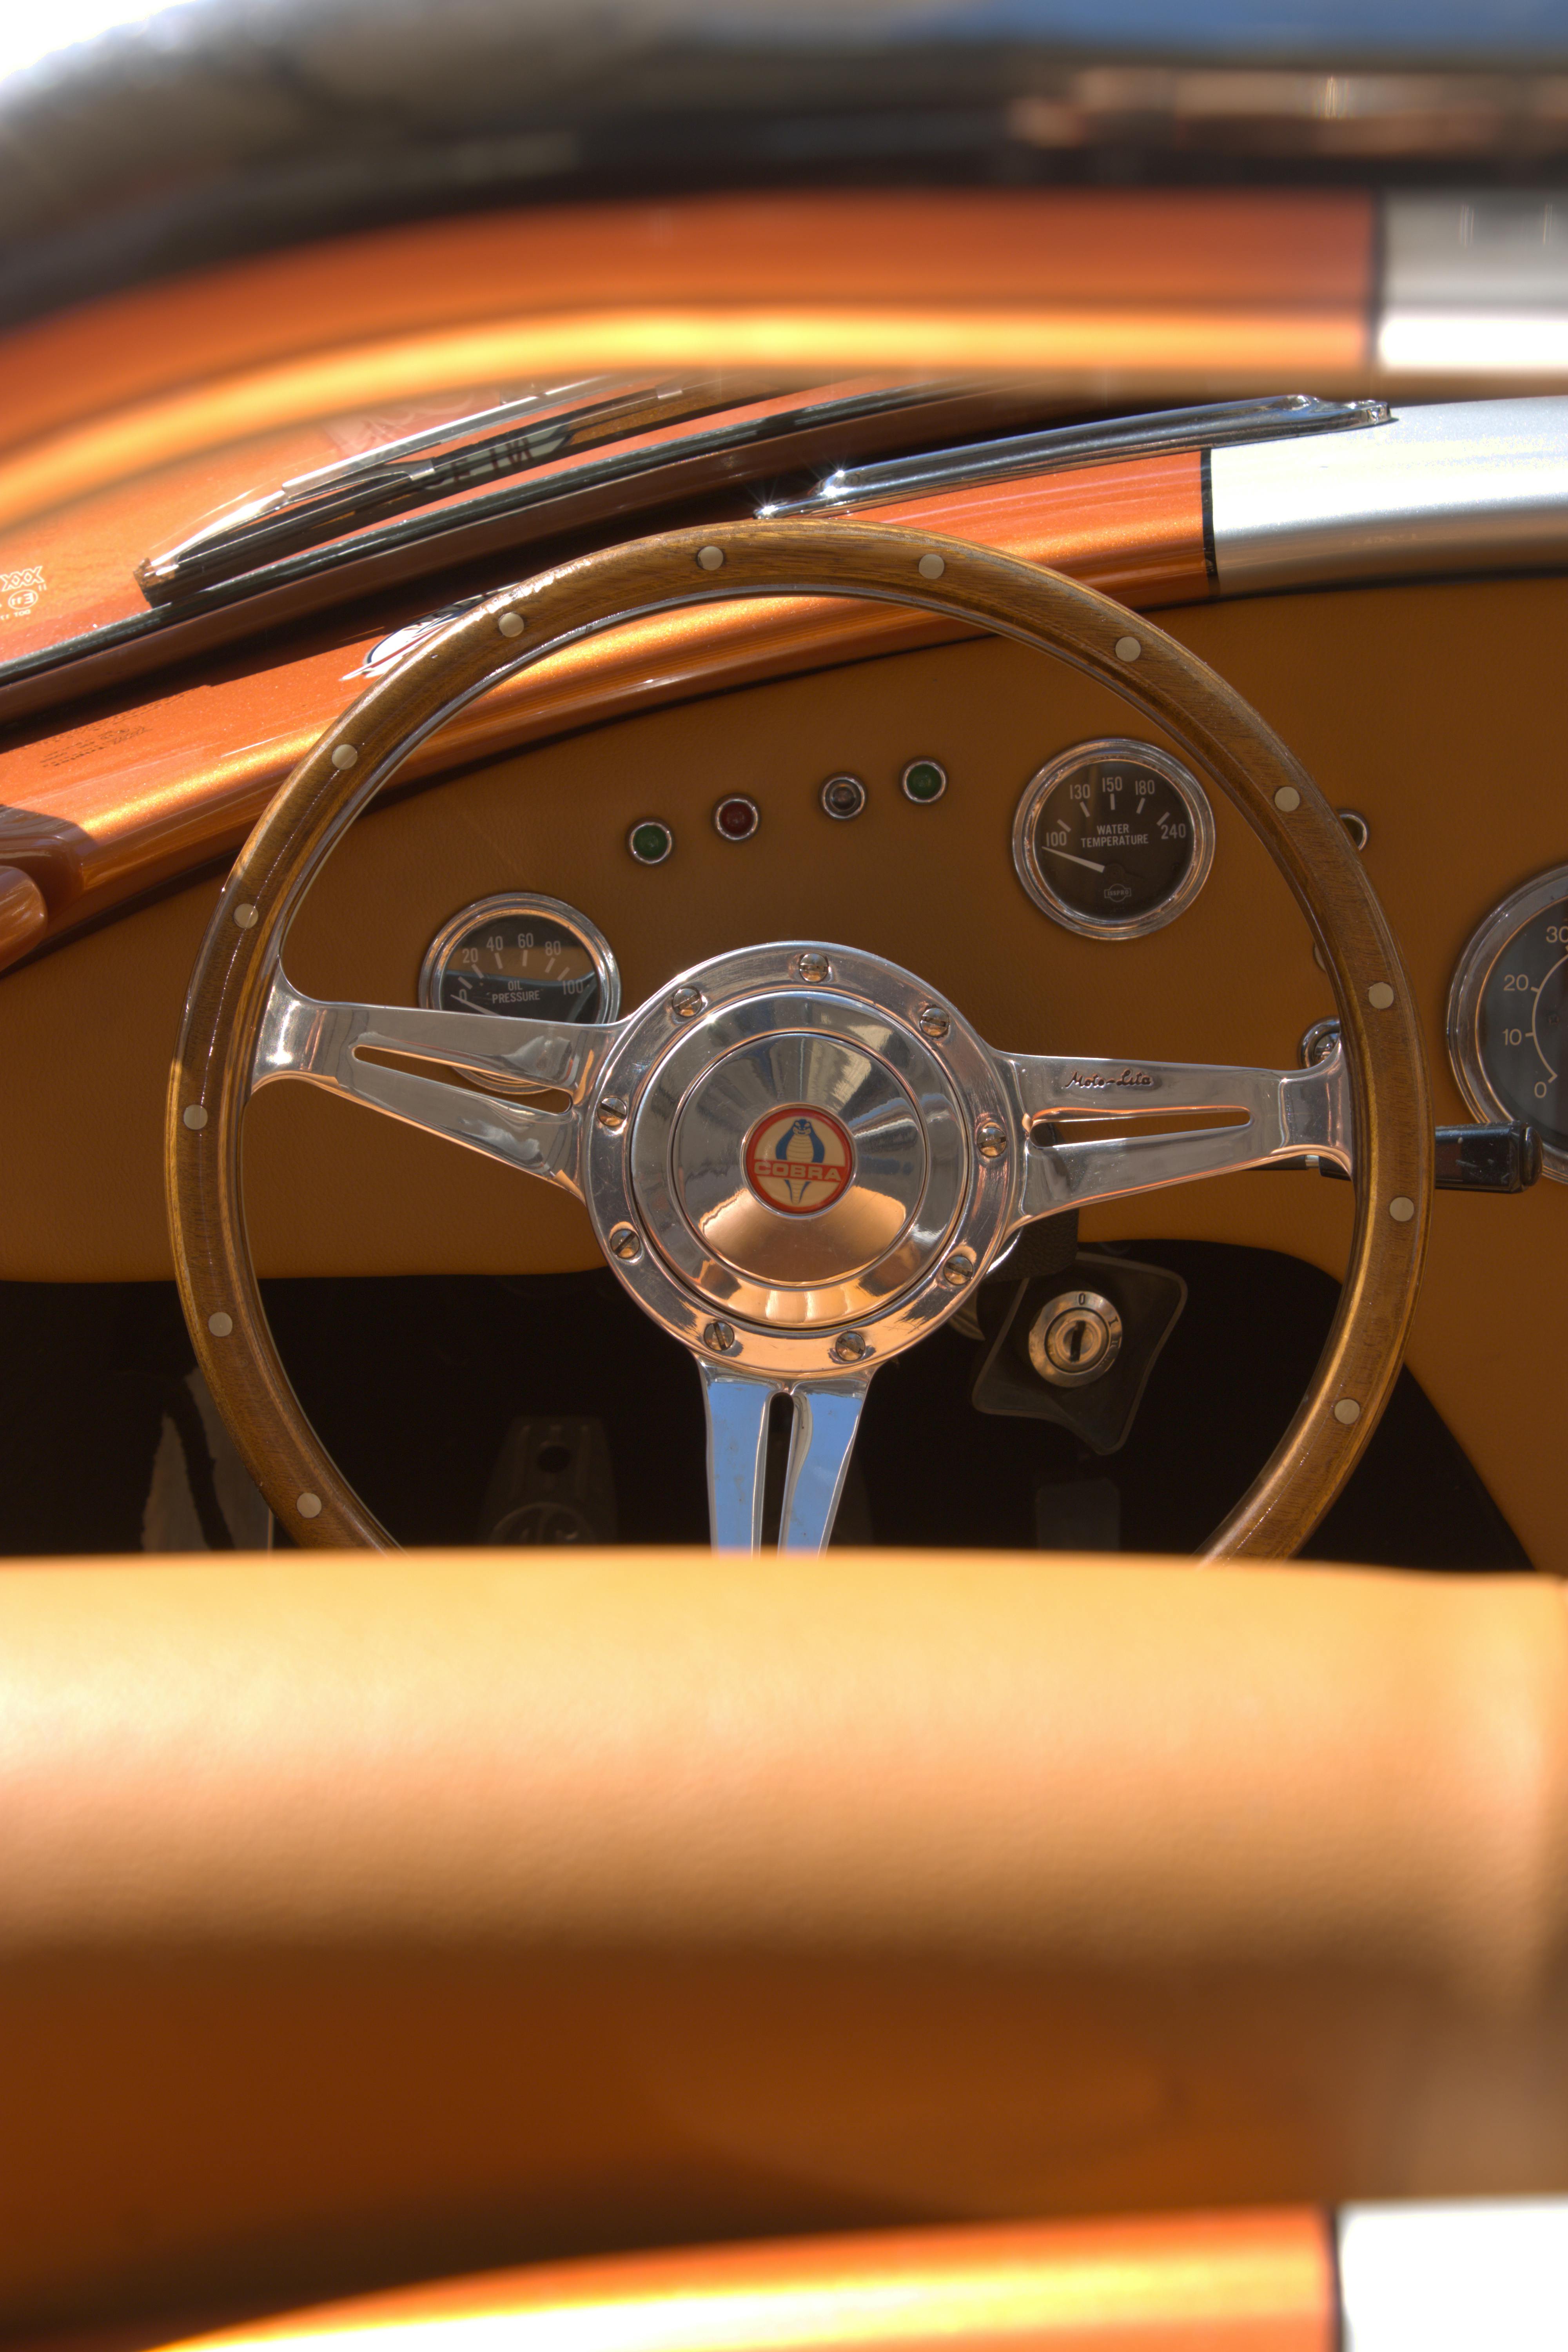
(1383, 692)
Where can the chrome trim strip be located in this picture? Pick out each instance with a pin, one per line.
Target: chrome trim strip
(1468, 486)
(1444, 342)
(1453, 2276)
(1472, 248)
(1065, 445)
(1474, 282)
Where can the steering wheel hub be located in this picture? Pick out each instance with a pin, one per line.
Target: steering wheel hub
(800, 1155)
(781, 1188)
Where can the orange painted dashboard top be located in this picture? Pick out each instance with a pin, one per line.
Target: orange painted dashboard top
(1098, 286)
(103, 810)
(1201, 2282)
(223, 380)
(78, 558)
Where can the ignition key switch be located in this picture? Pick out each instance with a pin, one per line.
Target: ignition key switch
(1075, 1338)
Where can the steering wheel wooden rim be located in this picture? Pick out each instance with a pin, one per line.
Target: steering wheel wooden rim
(211, 1077)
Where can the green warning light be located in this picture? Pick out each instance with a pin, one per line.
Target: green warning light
(924, 780)
(651, 841)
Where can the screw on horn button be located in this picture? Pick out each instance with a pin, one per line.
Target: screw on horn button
(812, 966)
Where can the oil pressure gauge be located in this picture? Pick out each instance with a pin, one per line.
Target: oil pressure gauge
(1508, 1015)
(534, 957)
(1113, 838)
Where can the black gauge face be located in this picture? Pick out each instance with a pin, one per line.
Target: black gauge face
(530, 957)
(1520, 1035)
(1114, 838)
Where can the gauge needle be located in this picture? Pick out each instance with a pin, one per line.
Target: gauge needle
(1071, 860)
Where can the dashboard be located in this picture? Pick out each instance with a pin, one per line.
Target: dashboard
(658, 840)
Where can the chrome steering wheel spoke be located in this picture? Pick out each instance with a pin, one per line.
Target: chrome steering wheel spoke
(1283, 1114)
(328, 1046)
(826, 1417)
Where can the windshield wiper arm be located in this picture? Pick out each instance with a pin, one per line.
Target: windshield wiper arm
(1060, 447)
(416, 471)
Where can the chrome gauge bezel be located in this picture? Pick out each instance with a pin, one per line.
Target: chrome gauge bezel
(1472, 973)
(511, 903)
(1046, 781)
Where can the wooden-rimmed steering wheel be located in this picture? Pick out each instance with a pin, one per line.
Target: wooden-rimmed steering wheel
(687, 1232)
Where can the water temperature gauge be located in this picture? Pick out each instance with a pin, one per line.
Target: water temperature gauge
(1113, 838)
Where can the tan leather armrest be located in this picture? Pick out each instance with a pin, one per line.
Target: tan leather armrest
(370, 1917)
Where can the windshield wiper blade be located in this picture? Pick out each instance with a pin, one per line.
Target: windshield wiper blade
(1060, 447)
(418, 470)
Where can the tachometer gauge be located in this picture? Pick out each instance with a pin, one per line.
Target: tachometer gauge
(1113, 838)
(534, 957)
(1508, 1015)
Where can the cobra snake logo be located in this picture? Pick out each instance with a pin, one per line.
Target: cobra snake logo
(799, 1159)
(805, 1145)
